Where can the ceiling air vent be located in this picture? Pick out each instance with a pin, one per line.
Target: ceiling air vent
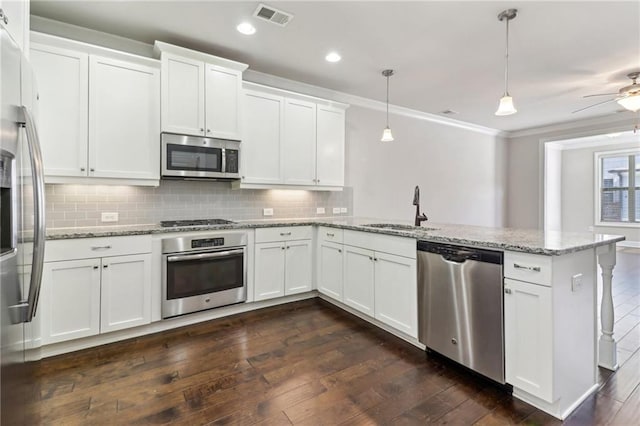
(273, 15)
(449, 112)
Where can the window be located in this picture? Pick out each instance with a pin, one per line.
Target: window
(618, 196)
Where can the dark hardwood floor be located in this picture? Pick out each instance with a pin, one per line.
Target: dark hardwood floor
(301, 363)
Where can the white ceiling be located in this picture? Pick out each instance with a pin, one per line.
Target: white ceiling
(447, 55)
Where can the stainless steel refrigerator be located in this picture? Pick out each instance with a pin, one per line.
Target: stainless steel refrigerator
(22, 236)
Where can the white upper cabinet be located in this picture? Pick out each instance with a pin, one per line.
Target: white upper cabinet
(15, 19)
(182, 95)
(330, 126)
(291, 140)
(299, 143)
(261, 134)
(124, 111)
(223, 113)
(201, 93)
(99, 113)
(63, 86)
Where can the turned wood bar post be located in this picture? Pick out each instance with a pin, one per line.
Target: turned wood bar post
(607, 346)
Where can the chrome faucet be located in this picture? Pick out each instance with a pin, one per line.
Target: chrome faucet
(416, 202)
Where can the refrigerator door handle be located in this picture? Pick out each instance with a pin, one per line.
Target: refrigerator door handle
(37, 168)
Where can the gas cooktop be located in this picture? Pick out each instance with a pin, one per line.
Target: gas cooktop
(194, 222)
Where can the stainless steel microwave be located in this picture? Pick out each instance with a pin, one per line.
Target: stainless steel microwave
(200, 158)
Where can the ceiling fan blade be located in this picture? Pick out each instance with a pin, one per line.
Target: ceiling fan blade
(594, 105)
(600, 94)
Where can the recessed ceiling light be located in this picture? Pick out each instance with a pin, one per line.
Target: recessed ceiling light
(246, 28)
(333, 57)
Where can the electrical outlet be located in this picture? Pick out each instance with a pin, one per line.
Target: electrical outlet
(109, 217)
(320, 210)
(336, 210)
(267, 212)
(576, 282)
(343, 209)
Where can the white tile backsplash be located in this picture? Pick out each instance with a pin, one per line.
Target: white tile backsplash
(82, 205)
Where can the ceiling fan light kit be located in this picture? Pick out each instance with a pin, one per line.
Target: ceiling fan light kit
(506, 106)
(386, 133)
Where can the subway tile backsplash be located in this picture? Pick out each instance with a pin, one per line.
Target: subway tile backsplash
(82, 205)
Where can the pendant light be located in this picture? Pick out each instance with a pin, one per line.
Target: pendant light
(506, 102)
(386, 134)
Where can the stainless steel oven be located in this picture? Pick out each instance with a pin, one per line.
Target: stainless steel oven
(203, 272)
(192, 157)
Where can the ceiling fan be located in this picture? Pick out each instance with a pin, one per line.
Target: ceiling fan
(628, 96)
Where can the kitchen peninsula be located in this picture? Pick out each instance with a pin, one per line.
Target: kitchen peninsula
(550, 281)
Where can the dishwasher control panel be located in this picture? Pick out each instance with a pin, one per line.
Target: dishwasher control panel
(461, 254)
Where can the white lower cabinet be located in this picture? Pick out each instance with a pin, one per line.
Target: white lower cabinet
(396, 301)
(125, 292)
(330, 269)
(283, 266)
(69, 306)
(94, 285)
(358, 279)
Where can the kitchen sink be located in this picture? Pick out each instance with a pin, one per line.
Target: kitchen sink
(400, 227)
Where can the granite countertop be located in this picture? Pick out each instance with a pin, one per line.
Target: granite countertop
(522, 240)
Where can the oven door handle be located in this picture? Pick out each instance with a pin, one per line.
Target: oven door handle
(185, 257)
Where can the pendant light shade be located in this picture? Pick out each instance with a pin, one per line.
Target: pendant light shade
(506, 106)
(386, 133)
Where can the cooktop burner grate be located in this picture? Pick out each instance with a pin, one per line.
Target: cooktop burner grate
(194, 222)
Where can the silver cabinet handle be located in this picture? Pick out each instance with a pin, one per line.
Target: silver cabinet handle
(4, 17)
(330, 234)
(528, 268)
(370, 258)
(95, 266)
(105, 266)
(208, 130)
(82, 169)
(202, 129)
(339, 250)
(375, 259)
(284, 234)
(96, 248)
(282, 248)
(507, 290)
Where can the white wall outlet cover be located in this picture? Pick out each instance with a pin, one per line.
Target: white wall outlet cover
(267, 212)
(109, 217)
(343, 209)
(336, 210)
(320, 210)
(576, 282)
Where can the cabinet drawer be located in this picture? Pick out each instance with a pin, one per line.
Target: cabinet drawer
(85, 248)
(285, 233)
(400, 246)
(330, 234)
(533, 268)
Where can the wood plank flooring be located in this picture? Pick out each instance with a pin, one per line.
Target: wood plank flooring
(306, 363)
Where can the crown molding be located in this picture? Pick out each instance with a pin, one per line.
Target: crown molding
(613, 122)
(309, 89)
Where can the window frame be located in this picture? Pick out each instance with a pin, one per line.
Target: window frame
(598, 156)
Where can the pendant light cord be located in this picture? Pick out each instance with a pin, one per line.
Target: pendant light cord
(506, 63)
(387, 101)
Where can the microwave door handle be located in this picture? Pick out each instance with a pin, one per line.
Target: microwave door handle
(33, 142)
(201, 256)
(224, 161)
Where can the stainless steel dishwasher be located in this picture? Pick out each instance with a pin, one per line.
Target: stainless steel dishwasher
(460, 305)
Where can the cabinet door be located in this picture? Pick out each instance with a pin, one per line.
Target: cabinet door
(222, 102)
(396, 292)
(330, 146)
(183, 92)
(63, 86)
(269, 270)
(69, 306)
(261, 138)
(330, 269)
(528, 338)
(358, 279)
(126, 292)
(299, 143)
(298, 267)
(17, 16)
(124, 114)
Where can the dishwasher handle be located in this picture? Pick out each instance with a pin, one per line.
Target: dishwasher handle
(460, 256)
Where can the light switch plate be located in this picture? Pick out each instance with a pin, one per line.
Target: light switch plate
(267, 212)
(336, 210)
(576, 282)
(320, 210)
(343, 209)
(109, 217)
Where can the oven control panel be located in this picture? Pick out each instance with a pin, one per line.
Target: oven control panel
(207, 242)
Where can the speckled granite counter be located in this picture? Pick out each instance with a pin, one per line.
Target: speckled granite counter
(523, 240)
